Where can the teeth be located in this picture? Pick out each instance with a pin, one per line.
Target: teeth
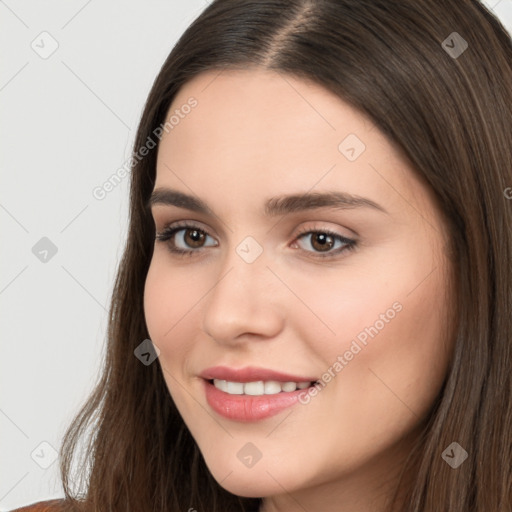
(289, 386)
(235, 388)
(254, 388)
(259, 387)
(272, 387)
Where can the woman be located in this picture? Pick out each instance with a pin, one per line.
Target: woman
(313, 307)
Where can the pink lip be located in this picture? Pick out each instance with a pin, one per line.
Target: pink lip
(251, 374)
(247, 408)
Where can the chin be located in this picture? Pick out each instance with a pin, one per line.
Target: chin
(249, 486)
(261, 480)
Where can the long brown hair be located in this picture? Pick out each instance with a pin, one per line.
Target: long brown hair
(450, 113)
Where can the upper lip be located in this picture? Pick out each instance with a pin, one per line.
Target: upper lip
(251, 374)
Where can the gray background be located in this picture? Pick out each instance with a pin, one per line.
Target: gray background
(68, 123)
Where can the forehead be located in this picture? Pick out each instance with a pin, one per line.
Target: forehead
(249, 108)
(261, 131)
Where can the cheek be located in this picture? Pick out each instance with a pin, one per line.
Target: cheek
(167, 304)
(381, 345)
(167, 308)
(156, 301)
(382, 370)
(170, 293)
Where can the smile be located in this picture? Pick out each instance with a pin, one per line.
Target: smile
(258, 388)
(248, 402)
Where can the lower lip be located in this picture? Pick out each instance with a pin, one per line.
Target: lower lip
(248, 408)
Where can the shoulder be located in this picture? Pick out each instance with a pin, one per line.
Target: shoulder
(42, 506)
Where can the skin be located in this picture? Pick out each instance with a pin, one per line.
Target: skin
(253, 135)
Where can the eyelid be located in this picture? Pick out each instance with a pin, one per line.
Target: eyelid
(318, 226)
(325, 229)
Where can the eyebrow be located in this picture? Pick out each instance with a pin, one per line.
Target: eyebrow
(274, 206)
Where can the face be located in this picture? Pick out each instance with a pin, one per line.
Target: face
(346, 301)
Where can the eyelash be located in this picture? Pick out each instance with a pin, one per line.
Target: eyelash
(169, 231)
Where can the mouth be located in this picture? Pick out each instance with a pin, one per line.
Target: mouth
(260, 387)
(252, 401)
(252, 393)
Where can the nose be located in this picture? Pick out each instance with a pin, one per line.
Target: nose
(245, 303)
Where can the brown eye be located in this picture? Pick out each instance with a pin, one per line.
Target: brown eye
(194, 237)
(185, 239)
(322, 241)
